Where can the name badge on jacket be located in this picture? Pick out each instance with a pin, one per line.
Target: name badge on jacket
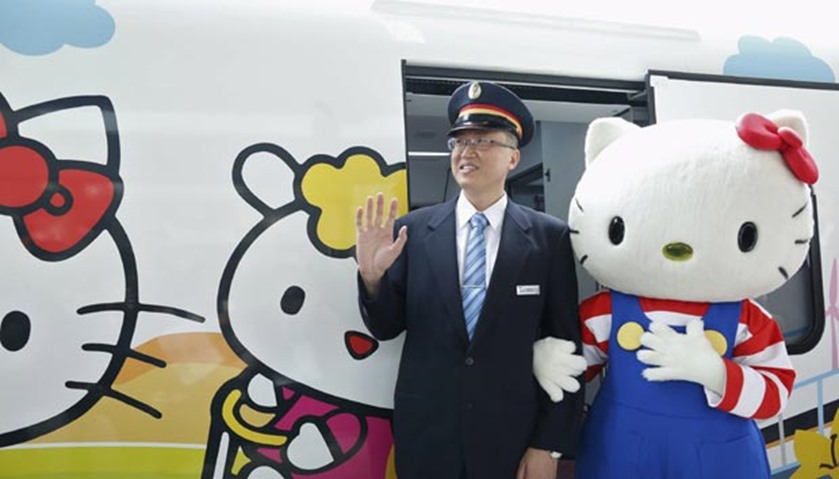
(527, 290)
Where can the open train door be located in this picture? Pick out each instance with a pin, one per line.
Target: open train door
(799, 306)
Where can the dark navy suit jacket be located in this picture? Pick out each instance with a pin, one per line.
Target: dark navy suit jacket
(466, 408)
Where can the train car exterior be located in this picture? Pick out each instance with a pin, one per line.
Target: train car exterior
(179, 181)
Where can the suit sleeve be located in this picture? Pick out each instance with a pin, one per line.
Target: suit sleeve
(558, 424)
(384, 314)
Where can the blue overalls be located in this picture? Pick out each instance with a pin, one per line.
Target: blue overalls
(639, 429)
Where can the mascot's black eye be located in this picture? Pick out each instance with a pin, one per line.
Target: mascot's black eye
(15, 329)
(292, 300)
(747, 237)
(616, 230)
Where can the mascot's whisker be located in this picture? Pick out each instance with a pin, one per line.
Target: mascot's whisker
(113, 394)
(141, 307)
(800, 210)
(111, 349)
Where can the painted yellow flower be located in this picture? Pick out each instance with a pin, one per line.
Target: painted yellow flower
(338, 191)
(817, 454)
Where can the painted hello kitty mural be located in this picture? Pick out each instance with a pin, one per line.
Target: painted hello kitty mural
(61, 346)
(315, 400)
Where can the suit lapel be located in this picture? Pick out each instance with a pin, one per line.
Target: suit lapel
(441, 249)
(516, 244)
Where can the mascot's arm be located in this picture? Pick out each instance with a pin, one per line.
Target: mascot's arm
(596, 319)
(756, 381)
(759, 377)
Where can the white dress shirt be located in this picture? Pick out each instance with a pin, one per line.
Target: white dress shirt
(492, 233)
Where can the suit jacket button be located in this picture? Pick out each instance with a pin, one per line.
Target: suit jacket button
(470, 361)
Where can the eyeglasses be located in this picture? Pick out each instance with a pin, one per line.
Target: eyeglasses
(480, 144)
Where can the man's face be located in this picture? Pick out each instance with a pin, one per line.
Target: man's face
(482, 172)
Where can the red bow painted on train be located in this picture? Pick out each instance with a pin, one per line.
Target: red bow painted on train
(762, 133)
(56, 205)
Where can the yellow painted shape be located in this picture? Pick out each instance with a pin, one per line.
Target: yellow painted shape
(717, 341)
(254, 417)
(181, 348)
(817, 454)
(101, 463)
(390, 470)
(339, 192)
(629, 336)
(240, 461)
(245, 431)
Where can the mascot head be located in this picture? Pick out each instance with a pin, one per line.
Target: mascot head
(695, 210)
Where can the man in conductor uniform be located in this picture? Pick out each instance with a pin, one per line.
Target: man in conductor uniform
(473, 282)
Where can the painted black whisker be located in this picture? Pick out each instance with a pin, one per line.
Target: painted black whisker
(573, 231)
(140, 307)
(800, 210)
(783, 272)
(803, 241)
(98, 308)
(181, 313)
(123, 398)
(109, 348)
(583, 259)
(579, 206)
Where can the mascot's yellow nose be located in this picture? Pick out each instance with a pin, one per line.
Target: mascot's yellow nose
(677, 251)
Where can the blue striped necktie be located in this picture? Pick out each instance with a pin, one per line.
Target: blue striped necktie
(474, 273)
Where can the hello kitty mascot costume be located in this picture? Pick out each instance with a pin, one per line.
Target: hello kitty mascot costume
(684, 222)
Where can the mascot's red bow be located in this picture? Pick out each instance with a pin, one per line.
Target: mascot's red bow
(762, 133)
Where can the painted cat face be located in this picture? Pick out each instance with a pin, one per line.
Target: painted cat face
(57, 358)
(288, 301)
(68, 292)
(688, 210)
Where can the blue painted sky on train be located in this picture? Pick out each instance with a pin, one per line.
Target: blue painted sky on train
(782, 58)
(39, 27)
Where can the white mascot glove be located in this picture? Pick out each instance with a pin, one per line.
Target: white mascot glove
(555, 366)
(687, 357)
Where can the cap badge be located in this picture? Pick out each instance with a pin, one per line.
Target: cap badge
(474, 90)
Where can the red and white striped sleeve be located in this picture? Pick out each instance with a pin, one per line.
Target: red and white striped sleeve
(759, 377)
(596, 321)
